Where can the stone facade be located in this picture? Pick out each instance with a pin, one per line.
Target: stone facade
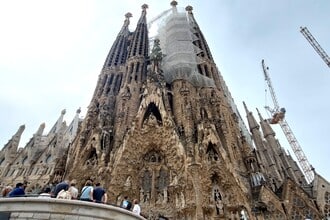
(42, 161)
(177, 145)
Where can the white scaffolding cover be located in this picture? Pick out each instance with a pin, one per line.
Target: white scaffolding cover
(180, 54)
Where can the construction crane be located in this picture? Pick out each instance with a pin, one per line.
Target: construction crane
(315, 45)
(278, 117)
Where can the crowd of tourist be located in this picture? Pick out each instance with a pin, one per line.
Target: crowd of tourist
(67, 190)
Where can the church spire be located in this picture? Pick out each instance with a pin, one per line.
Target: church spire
(138, 52)
(251, 120)
(13, 143)
(266, 129)
(140, 42)
(118, 51)
(200, 41)
(206, 65)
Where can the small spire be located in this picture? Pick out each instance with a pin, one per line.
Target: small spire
(139, 43)
(174, 9)
(245, 107)
(266, 128)
(127, 16)
(21, 129)
(40, 129)
(260, 117)
(143, 14)
(251, 120)
(126, 22)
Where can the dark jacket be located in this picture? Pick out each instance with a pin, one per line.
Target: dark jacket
(18, 191)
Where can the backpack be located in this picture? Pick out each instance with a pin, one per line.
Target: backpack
(129, 205)
(64, 195)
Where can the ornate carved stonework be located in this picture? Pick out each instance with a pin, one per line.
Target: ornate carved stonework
(163, 128)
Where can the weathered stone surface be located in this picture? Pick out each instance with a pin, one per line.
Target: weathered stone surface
(169, 136)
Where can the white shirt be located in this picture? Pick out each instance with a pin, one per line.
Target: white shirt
(44, 195)
(74, 192)
(137, 209)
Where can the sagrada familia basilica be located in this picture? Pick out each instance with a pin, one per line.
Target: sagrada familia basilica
(162, 127)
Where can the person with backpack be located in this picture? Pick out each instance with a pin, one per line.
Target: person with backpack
(87, 192)
(126, 204)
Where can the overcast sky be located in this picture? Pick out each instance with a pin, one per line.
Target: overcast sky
(51, 53)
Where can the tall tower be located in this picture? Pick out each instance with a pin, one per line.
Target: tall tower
(162, 128)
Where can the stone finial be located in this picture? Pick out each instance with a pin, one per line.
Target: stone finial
(40, 129)
(128, 15)
(126, 22)
(21, 128)
(144, 7)
(63, 112)
(174, 3)
(189, 9)
(78, 110)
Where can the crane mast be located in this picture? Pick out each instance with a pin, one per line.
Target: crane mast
(272, 92)
(278, 118)
(315, 45)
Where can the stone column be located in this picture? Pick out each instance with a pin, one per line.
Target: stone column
(194, 169)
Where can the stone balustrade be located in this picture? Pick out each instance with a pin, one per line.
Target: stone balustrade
(20, 208)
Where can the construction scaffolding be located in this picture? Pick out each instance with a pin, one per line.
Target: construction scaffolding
(180, 60)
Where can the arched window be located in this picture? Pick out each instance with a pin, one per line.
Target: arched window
(216, 195)
(146, 186)
(162, 179)
(212, 154)
(92, 158)
(153, 156)
(154, 178)
(152, 113)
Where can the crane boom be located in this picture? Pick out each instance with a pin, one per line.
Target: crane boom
(315, 45)
(276, 111)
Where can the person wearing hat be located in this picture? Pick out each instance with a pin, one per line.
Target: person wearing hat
(17, 191)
